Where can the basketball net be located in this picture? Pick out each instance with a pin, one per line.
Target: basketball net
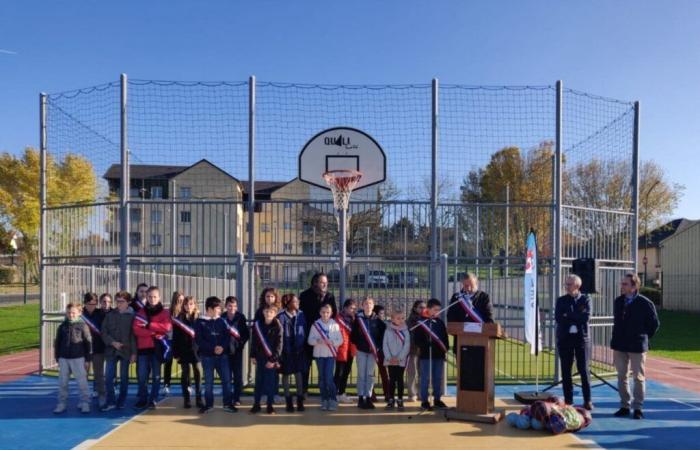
(342, 182)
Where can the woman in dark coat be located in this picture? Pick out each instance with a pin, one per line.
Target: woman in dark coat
(184, 351)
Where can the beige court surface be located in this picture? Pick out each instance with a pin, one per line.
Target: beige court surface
(170, 426)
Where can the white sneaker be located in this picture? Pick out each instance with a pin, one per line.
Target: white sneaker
(85, 408)
(165, 390)
(60, 408)
(343, 398)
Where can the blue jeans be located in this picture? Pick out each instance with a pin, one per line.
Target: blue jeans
(436, 375)
(111, 373)
(325, 377)
(148, 365)
(220, 363)
(365, 373)
(264, 381)
(235, 364)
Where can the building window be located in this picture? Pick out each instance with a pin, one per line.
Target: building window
(156, 240)
(135, 238)
(156, 192)
(185, 241)
(265, 227)
(156, 216)
(265, 273)
(307, 248)
(287, 205)
(287, 247)
(307, 227)
(135, 193)
(287, 226)
(185, 216)
(185, 192)
(135, 215)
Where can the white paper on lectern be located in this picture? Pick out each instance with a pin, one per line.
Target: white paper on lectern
(472, 327)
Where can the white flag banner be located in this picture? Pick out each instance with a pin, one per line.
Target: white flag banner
(532, 331)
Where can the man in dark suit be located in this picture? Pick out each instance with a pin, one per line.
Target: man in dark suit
(310, 301)
(469, 304)
(572, 313)
(470, 300)
(634, 323)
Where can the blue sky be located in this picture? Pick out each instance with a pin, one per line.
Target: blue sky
(631, 50)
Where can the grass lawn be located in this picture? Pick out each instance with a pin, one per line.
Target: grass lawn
(19, 328)
(677, 338)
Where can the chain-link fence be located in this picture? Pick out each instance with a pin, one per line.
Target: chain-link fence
(209, 200)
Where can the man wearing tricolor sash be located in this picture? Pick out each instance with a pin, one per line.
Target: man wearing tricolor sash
(367, 333)
(470, 304)
(431, 340)
(93, 317)
(151, 326)
(326, 338)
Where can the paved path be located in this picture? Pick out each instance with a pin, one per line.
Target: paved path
(18, 365)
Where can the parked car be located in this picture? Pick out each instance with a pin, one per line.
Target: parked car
(403, 279)
(377, 278)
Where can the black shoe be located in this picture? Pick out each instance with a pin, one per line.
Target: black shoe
(140, 406)
(300, 403)
(270, 409)
(199, 402)
(425, 406)
(361, 402)
(588, 405)
(399, 404)
(622, 412)
(204, 409)
(369, 404)
(151, 405)
(290, 404)
(255, 409)
(230, 409)
(439, 404)
(390, 404)
(638, 414)
(187, 404)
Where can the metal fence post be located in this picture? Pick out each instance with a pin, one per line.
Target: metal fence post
(93, 279)
(635, 188)
(434, 189)
(445, 299)
(42, 226)
(251, 192)
(125, 190)
(556, 238)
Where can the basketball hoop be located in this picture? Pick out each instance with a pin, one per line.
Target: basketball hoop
(342, 182)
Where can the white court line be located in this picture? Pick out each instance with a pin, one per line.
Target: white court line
(685, 404)
(88, 443)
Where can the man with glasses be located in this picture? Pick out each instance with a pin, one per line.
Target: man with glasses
(572, 313)
(635, 322)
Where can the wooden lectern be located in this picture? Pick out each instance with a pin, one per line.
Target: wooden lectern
(476, 366)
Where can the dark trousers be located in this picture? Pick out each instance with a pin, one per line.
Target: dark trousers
(264, 381)
(309, 349)
(342, 373)
(235, 363)
(110, 375)
(395, 382)
(167, 371)
(148, 365)
(185, 379)
(566, 355)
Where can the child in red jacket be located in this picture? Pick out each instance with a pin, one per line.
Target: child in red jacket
(347, 351)
(151, 327)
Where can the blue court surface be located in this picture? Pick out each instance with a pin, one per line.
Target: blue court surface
(26, 418)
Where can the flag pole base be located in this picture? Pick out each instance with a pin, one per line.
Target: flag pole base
(530, 397)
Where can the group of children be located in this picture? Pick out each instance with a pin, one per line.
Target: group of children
(282, 340)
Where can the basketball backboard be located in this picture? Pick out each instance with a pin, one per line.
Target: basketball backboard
(342, 148)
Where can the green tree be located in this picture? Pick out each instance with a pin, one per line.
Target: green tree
(71, 180)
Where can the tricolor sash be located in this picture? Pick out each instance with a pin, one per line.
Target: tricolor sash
(90, 324)
(184, 327)
(368, 338)
(139, 302)
(325, 336)
(262, 339)
(468, 308)
(233, 331)
(399, 334)
(165, 342)
(143, 320)
(343, 323)
(433, 337)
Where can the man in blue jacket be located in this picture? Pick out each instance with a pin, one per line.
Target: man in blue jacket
(212, 340)
(635, 322)
(572, 313)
